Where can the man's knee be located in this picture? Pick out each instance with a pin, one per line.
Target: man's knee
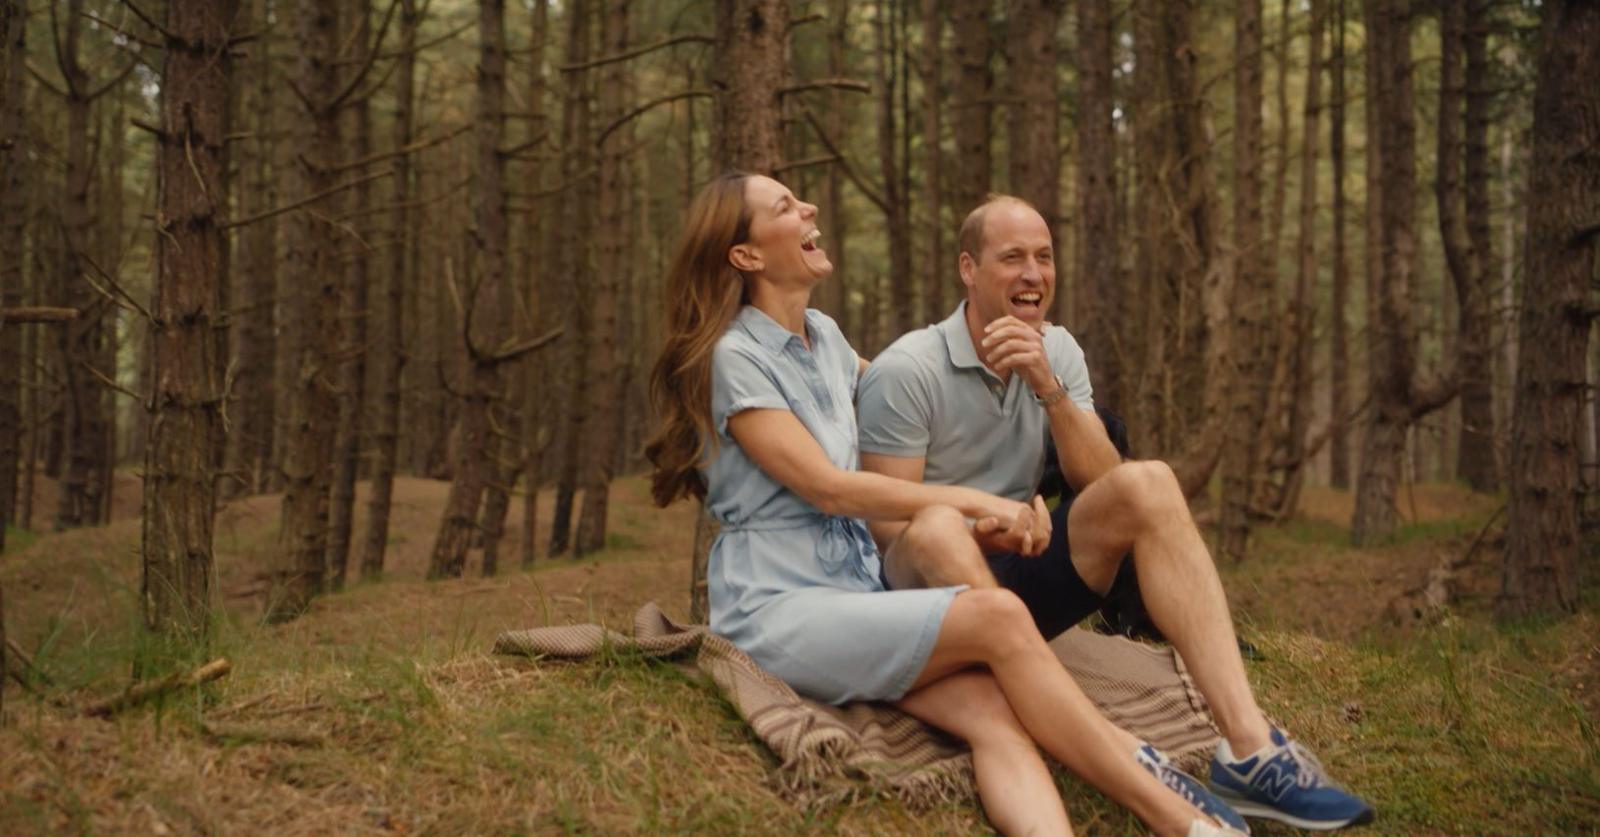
(938, 546)
(1146, 488)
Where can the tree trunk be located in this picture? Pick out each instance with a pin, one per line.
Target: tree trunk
(835, 215)
(607, 401)
(352, 364)
(488, 307)
(1398, 398)
(1254, 292)
(252, 405)
(751, 69)
(937, 269)
(388, 356)
(1543, 544)
(896, 204)
(1476, 462)
(82, 338)
(535, 412)
(972, 105)
(1289, 422)
(1035, 131)
(1339, 333)
(314, 298)
(1097, 287)
(180, 491)
(13, 227)
(573, 267)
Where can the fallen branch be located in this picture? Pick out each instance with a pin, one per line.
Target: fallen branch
(21, 656)
(142, 692)
(249, 734)
(38, 314)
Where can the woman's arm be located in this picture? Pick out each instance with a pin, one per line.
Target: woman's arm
(782, 447)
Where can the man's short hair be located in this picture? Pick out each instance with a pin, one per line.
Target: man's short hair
(973, 228)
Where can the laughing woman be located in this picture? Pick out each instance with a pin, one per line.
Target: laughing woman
(755, 394)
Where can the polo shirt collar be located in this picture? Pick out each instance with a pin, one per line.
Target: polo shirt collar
(959, 340)
(766, 330)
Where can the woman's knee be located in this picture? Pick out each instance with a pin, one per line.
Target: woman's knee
(999, 622)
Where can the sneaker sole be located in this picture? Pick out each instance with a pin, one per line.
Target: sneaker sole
(1255, 809)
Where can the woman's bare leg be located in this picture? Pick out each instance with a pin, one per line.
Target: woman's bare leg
(1013, 781)
(994, 628)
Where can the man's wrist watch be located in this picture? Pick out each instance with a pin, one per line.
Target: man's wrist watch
(1054, 397)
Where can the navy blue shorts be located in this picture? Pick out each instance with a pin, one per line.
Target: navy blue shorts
(1049, 584)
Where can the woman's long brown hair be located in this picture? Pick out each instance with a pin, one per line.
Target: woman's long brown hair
(703, 294)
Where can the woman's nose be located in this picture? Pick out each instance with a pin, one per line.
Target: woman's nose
(808, 210)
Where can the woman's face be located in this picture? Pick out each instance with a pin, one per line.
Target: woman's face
(782, 243)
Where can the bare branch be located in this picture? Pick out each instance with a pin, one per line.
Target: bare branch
(515, 350)
(132, 36)
(827, 84)
(849, 168)
(420, 145)
(37, 314)
(127, 301)
(638, 51)
(276, 211)
(372, 58)
(44, 82)
(518, 149)
(435, 42)
(809, 161)
(150, 21)
(145, 691)
(112, 385)
(640, 110)
(113, 81)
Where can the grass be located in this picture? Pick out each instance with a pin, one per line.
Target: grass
(1450, 726)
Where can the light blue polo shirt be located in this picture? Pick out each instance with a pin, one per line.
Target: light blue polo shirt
(928, 395)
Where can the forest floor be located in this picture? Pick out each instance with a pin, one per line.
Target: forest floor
(392, 715)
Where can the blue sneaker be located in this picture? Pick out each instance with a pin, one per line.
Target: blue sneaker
(1189, 788)
(1284, 782)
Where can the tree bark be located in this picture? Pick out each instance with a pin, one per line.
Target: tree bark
(751, 67)
(389, 356)
(1543, 544)
(314, 297)
(607, 402)
(892, 166)
(488, 305)
(1097, 287)
(180, 487)
(938, 270)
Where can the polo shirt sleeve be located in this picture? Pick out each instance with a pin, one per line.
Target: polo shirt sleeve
(894, 407)
(1066, 356)
(739, 382)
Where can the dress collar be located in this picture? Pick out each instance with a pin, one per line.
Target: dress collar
(766, 330)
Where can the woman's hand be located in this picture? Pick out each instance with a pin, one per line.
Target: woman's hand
(1010, 526)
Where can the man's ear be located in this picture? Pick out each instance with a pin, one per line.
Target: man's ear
(969, 268)
(745, 258)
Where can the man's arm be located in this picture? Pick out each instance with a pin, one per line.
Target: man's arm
(1083, 449)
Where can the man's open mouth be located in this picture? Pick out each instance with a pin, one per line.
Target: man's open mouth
(1027, 299)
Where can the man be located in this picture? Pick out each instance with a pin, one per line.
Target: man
(970, 401)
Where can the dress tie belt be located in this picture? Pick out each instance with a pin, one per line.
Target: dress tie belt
(842, 538)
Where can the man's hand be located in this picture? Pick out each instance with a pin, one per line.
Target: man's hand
(1011, 344)
(1027, 532)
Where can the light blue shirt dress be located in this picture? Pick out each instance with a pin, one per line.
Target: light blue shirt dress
(798, 590)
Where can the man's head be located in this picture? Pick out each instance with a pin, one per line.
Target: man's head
(1007, 261)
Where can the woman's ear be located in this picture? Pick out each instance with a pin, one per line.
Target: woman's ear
(744, 258)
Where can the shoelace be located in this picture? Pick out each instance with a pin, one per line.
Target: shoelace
(1170, 777)
(1310, 773)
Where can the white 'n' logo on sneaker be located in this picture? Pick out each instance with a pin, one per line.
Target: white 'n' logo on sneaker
(1273, 781)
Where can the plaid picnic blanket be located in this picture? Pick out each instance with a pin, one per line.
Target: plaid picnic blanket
(828, 753)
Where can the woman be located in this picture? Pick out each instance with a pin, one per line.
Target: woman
(755, 391)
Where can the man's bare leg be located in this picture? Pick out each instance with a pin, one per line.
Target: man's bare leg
(1138, 506)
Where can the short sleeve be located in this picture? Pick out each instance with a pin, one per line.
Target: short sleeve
(894, 407)
(739, 382)
(1068, 360)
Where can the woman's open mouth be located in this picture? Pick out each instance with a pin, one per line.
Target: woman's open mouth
(808, 242)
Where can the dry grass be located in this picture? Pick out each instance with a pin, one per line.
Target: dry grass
(406, 724)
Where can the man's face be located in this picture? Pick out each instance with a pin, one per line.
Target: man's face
(1015, 274)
